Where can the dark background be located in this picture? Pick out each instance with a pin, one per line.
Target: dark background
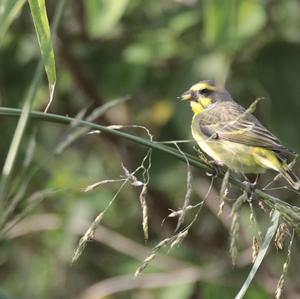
(151, 51)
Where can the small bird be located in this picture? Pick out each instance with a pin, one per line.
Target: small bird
(232, 136)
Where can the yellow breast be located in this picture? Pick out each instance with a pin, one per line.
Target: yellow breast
(238, 157)
(199, 106)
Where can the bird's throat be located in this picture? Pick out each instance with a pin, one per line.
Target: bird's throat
(199, 106)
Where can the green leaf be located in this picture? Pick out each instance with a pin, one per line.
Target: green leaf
(184, 21)
(102, 16)
(41, 24)
(228, 23)
(220, 20)
(251, 18)
(9, 10)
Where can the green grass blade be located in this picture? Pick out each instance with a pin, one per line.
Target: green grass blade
(9, 10)
(78, 132)
(24, 115)
(41, 24)
(19, 132)
(261, 254)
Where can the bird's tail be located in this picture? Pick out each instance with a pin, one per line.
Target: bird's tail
(292, 179)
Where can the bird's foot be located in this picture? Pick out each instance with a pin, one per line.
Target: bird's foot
(216, 168)
(251, 187)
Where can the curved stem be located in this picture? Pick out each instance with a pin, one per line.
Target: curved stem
(104, 129)
(290, 213)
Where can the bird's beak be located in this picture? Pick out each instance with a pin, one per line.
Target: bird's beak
(186, 96)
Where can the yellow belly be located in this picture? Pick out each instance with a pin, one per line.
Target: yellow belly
(238, 157)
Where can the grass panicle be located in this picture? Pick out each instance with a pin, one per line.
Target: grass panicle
(224, 192)
(188, 193)
(280, 235)
(235, 227)
(130, 178)
(281, 281)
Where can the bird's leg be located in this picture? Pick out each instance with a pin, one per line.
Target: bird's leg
(251, 186)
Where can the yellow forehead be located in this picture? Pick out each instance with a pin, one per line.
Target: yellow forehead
(201, 86)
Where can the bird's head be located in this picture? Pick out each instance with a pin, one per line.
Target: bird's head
(204, 94)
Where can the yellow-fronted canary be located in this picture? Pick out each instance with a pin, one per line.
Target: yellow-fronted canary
(232, 136)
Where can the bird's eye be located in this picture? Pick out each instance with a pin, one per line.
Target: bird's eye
(204, 91)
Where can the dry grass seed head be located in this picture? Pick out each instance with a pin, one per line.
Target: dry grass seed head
(281, 281)
(280, 236)
(255, 248)
(235, 227)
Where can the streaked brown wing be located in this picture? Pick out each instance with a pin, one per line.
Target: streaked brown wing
(240, 127)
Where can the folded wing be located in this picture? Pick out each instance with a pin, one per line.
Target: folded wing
(229, 121)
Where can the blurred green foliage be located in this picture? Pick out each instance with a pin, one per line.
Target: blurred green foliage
(151, 51)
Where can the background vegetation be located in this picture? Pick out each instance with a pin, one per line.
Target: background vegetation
(134, 58)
